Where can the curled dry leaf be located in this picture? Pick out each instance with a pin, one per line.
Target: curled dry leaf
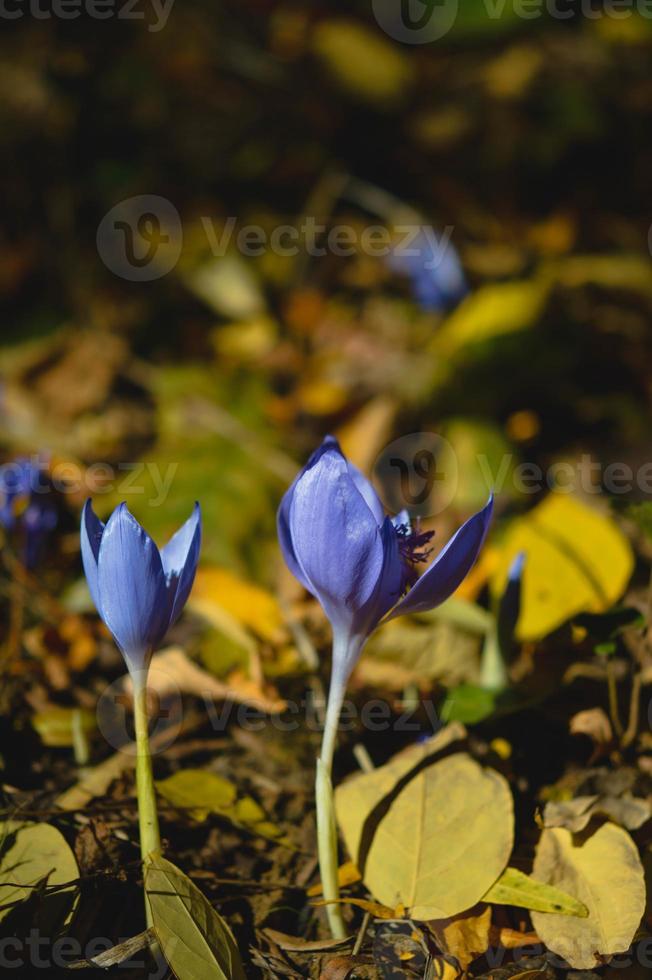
(341, 967)
(172, 671)
(575, 815)
(604, 872)
(117, 954)
(294, 944)
(464, 936)
(595, 723)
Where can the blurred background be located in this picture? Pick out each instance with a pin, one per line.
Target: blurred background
(230, 228)
(147, 328)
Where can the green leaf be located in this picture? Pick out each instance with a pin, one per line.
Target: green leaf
(196, 941)
(33, 856)
(469, 704)
(515, 888)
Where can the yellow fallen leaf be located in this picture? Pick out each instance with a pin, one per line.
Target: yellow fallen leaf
(577, 560)
(362, 60)
(464, 936)
(363, 437)
(432, 836)
(202, 793)
(250, 605)
(516, 888)
(605, 873)
(375, 908)
(347, 874)
(491, 311)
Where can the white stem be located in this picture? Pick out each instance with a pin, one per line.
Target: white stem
(150, 840)
(326, 824)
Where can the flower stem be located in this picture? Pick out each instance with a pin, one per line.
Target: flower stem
(150, 839)
(326, 826)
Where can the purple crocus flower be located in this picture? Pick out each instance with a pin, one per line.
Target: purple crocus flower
(360, 564)
(437, 280)
(138, 590)
(27, 508)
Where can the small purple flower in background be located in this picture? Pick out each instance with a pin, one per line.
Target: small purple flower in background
(361, 566)
(138, 590)
(27, 508)
(434, 270)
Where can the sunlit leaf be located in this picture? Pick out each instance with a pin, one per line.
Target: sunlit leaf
(362, 60)
(201, 793)
(56, 725)
(516, 888)
(492, 311)
(433, 837)
(249, 604)
(196, 941)
(577, 560)
(464, 936)
(33, 856)
(604, 872)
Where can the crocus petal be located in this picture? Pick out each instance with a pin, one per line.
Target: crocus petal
(179, 558)
(369, 495)
(336, 540)
(283, 515)
(133, 599)
(449, 568)
(390, 580)
(92, 529)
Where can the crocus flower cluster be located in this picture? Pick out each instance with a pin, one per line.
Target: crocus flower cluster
(27, 509)
(437, 281)
(138, 590)
(360, 564)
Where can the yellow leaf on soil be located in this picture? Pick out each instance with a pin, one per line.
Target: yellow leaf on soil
(249, 604)
(362, 61)
(577, 560)
(431, 836)
(196, 941)
(605, 873)
(464, 936)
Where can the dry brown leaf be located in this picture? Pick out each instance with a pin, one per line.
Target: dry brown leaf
(172, 671)
(294, 944)
(464, 936)
(512, 938)
(595, 723)
(341, 967)
(627, 810)
(374, 908)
